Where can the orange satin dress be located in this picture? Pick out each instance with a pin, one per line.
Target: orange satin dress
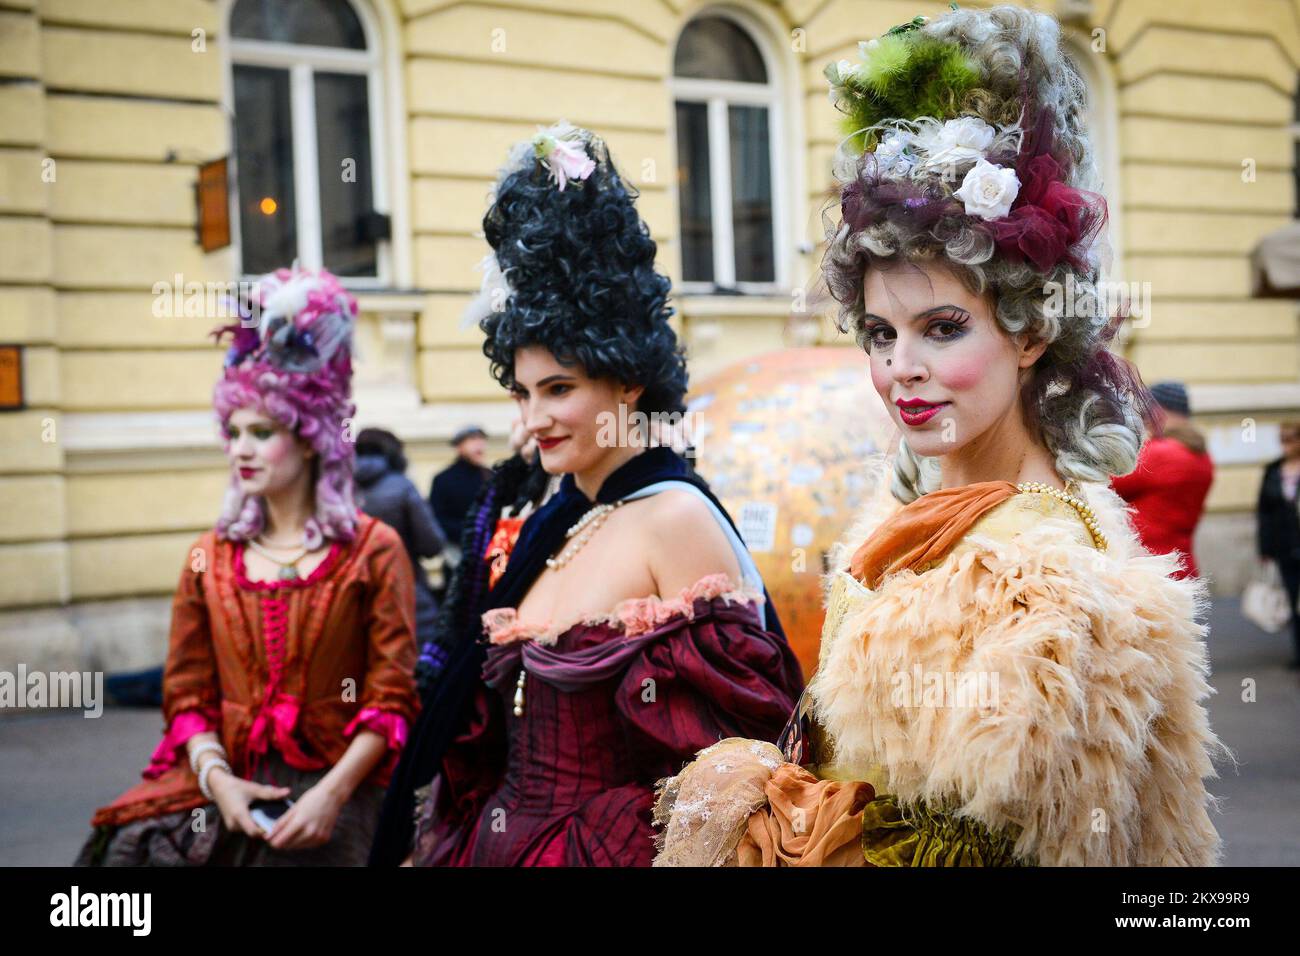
(295, 667)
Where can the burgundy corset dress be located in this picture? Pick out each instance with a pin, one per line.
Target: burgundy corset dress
(609, 707)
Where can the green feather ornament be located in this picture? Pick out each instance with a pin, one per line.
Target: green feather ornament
(905, 75)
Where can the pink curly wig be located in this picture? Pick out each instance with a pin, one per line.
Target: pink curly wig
(295, 367)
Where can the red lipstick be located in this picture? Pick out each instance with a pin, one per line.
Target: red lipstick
(917, 411)
(546, 444)
(247, 472)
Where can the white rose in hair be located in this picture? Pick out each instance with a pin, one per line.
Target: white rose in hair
(988, 190)
(894, 154)
(957, 141)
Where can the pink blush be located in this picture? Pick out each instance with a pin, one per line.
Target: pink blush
(278, 449)
(961, 374)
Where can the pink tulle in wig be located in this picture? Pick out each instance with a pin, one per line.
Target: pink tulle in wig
(295, 367)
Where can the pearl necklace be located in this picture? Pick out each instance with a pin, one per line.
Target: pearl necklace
(581, 533)
(519, 692)
(1078, 504)
(577, 536)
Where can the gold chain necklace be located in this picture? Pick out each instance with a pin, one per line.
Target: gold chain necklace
(288, 569)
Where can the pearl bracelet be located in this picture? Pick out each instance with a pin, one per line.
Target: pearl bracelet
(207, 769)
(203, 748)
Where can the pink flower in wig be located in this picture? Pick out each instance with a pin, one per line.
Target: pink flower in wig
(561, 151)
(1032, 233)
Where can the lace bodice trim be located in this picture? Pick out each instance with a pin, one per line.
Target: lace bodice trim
(633, 616)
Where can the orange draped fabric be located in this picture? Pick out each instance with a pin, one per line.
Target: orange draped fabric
(922, 532)
(807, 822)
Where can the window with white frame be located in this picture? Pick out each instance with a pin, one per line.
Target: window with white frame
(727, 135)
(307, 90)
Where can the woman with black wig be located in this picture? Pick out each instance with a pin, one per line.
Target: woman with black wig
(626, 626)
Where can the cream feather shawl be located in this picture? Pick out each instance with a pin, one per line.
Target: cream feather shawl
(1097, 744)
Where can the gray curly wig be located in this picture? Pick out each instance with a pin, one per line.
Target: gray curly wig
(1084, 403)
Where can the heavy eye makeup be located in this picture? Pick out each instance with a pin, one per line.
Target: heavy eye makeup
(943, 324)
(554, 389)
(260, 432)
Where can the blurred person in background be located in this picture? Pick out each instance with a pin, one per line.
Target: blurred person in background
(455, 487)
(1279, 525)
(384, 492)
(1172, 479)
(515, 487)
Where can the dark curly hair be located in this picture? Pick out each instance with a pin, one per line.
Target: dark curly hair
(580, 266)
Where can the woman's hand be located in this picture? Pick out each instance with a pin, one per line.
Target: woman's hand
(309, 822)
(233, 795)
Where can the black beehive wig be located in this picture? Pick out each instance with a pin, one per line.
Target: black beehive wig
(582, 282)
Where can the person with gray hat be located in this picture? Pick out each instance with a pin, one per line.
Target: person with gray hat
(455, 487)
(1172, 479)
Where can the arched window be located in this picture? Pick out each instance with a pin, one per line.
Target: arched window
(727, 133)
(307, 96)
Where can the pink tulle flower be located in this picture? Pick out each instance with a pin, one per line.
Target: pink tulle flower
(563, 155)
(1051, 221)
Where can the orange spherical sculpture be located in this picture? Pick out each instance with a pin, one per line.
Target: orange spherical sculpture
(783, 439)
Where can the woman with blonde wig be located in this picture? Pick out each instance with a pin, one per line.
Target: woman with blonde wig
(1006, 677)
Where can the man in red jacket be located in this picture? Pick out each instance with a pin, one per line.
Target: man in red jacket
(1168, 487)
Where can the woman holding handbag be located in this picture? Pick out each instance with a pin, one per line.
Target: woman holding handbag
(1279, 524)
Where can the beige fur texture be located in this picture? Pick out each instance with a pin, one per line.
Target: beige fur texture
(1097, 744)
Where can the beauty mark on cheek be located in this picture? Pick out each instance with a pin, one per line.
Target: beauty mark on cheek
(881, 380)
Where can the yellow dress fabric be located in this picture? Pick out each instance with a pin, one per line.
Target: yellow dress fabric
(1020, 513)
(917, 835)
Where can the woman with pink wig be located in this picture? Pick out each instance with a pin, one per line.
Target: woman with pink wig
(289, 683)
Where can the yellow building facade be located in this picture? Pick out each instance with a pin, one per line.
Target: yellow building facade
(109, 107)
